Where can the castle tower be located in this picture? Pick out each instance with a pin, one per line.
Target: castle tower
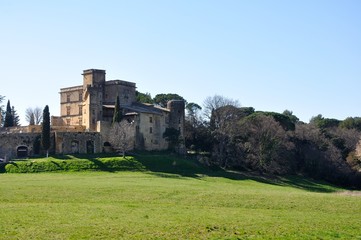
(93, 91)
(176, 115)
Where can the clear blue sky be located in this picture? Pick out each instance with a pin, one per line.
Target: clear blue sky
(304, 56)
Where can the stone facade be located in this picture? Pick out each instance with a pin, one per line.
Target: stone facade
(91, 105)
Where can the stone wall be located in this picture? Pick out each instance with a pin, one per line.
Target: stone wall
(78, 142)
(10, 142)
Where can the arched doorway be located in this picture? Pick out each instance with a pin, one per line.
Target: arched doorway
(22, 152)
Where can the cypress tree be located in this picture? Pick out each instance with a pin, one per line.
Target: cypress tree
(45, 131)
(16, 118)
(117, 116)
(9, 119)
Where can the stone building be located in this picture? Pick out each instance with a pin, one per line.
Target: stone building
(86, 113)
(91, 105)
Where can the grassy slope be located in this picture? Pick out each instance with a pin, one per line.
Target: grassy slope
(172, 201)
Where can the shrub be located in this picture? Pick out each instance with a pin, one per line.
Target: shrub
(52, 165)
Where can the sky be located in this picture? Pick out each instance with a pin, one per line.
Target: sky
(303, 56)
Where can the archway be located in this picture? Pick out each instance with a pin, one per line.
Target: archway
(22, 152)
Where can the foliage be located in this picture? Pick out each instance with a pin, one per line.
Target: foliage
(197, 136)
(162, 99)
(294, 119)
(157, 205)
(351, 123)
(9, 119)
(45, 130)
(324, 123)
(117, 115)
(143, 97)
(172, 135)
(275, 143)
(74, 164)
(37, 145)
(265, 145)
(16, 118)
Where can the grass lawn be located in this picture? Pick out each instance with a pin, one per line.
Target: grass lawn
(167, 205)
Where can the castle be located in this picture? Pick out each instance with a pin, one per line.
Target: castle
(85, 121)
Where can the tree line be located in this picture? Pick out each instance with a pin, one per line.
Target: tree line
(10, 118)
(242, 138)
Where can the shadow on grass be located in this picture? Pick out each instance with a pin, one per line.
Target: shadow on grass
(168, 165)
(173, 166)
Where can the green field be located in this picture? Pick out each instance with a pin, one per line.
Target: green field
(161, 204)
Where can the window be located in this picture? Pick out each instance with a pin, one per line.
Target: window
(179, 120)
(68, 110)
(68, 97)
(150, 130)
(80, 96)
(150, 119)
(80, 110)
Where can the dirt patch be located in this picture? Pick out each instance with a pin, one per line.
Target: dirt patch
(350, 193)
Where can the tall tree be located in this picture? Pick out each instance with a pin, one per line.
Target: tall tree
(117, 116)
(9, 120)
(45, 131)
(16, 118)
(143, 97)
(162, 99)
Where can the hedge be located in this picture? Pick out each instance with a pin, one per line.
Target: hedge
(53, 165)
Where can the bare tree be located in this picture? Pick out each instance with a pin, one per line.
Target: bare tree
(215, 102)
(33, 116)
(122, 136)
(38, 115)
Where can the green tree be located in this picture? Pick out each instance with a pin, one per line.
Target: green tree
(9, 120)
(171, 135)
(117, 116)
(290, 115)
(45, 131)
(16, 118)
(162, 99)
(351, 123)
(324, 123)
(143, 97)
